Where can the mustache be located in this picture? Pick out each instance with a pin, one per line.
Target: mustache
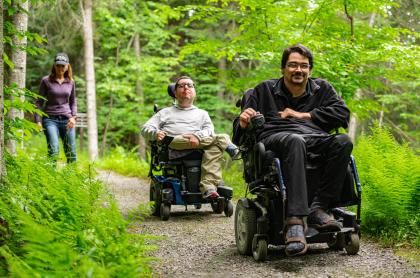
(298, 74)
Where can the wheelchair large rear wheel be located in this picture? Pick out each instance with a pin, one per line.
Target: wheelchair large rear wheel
(245, 228)
(155, 198)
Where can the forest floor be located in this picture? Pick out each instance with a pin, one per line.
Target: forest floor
(198, 243)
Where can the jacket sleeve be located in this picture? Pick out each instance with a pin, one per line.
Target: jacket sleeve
(333, 112)
(238, 132)
(151, 127)
(249, 100)
(207, 128)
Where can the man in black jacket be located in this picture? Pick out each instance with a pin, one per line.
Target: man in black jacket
(299, 112)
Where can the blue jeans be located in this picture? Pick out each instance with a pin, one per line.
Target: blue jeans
(55, 126)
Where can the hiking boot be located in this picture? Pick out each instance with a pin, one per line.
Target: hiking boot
(322, 221)
(233, 151)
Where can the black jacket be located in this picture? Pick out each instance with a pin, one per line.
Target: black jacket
(327, 109)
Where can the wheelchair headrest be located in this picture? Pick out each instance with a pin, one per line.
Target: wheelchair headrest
(241, 102)
(171, 90)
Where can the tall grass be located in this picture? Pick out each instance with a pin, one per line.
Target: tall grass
(390, 177)
(233, 177)
(62, 223)
(124, 162)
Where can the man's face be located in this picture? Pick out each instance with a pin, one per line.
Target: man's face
(185, 90)
(297, 69)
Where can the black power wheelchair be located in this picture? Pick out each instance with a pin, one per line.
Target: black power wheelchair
(175, 178)
(261, 220)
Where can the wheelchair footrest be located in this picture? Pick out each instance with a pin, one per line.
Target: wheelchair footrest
(225, 191)
(348, 217)
(192, 197)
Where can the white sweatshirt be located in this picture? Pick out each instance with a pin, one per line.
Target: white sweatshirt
(177, 121)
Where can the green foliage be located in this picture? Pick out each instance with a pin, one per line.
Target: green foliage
(371, 53)
(233, 177)
(19, 129)
(62, 223)
(390, 178)
(229, 46)
(124, 162)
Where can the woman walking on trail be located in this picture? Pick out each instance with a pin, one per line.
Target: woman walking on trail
(60, 108)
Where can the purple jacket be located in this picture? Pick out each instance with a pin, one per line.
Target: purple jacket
(60, 98)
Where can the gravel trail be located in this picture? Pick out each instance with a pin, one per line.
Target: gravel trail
(198, 243)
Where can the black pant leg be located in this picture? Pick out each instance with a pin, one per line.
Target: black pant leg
(291, 149)
(335, 151)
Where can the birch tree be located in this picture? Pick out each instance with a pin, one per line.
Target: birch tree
(2, 165)
(86, 9)
(17, 74)
(139, 92)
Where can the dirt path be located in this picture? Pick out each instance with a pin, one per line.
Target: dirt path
(202, 244)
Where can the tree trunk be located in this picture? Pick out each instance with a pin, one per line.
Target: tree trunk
(18, 57)
(353, 120)
(2, 164)
(222, 78)
(108, 122)
(90, 79)
(139, 91)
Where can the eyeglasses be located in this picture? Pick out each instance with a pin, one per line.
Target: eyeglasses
(182, 85)
(294, 65)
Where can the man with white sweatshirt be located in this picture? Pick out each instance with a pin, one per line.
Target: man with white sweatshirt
(192, 128)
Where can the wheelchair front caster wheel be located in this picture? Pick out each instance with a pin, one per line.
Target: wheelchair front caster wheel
(228, 209)
(353, 244)
(259, 249)
(337, 242)
(198, 206)
(217, 206)
(165, 210)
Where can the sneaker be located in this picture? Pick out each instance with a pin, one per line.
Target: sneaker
(211, 194)
(233, 151)
(322, 221)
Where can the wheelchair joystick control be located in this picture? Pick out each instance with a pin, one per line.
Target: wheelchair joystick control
(257, 121)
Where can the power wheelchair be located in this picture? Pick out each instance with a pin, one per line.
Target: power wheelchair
(175, 179)
(261, 219)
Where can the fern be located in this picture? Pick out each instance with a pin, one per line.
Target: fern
(390, 176)
(62, 223)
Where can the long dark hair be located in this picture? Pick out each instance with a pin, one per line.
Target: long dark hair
(68, 74)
